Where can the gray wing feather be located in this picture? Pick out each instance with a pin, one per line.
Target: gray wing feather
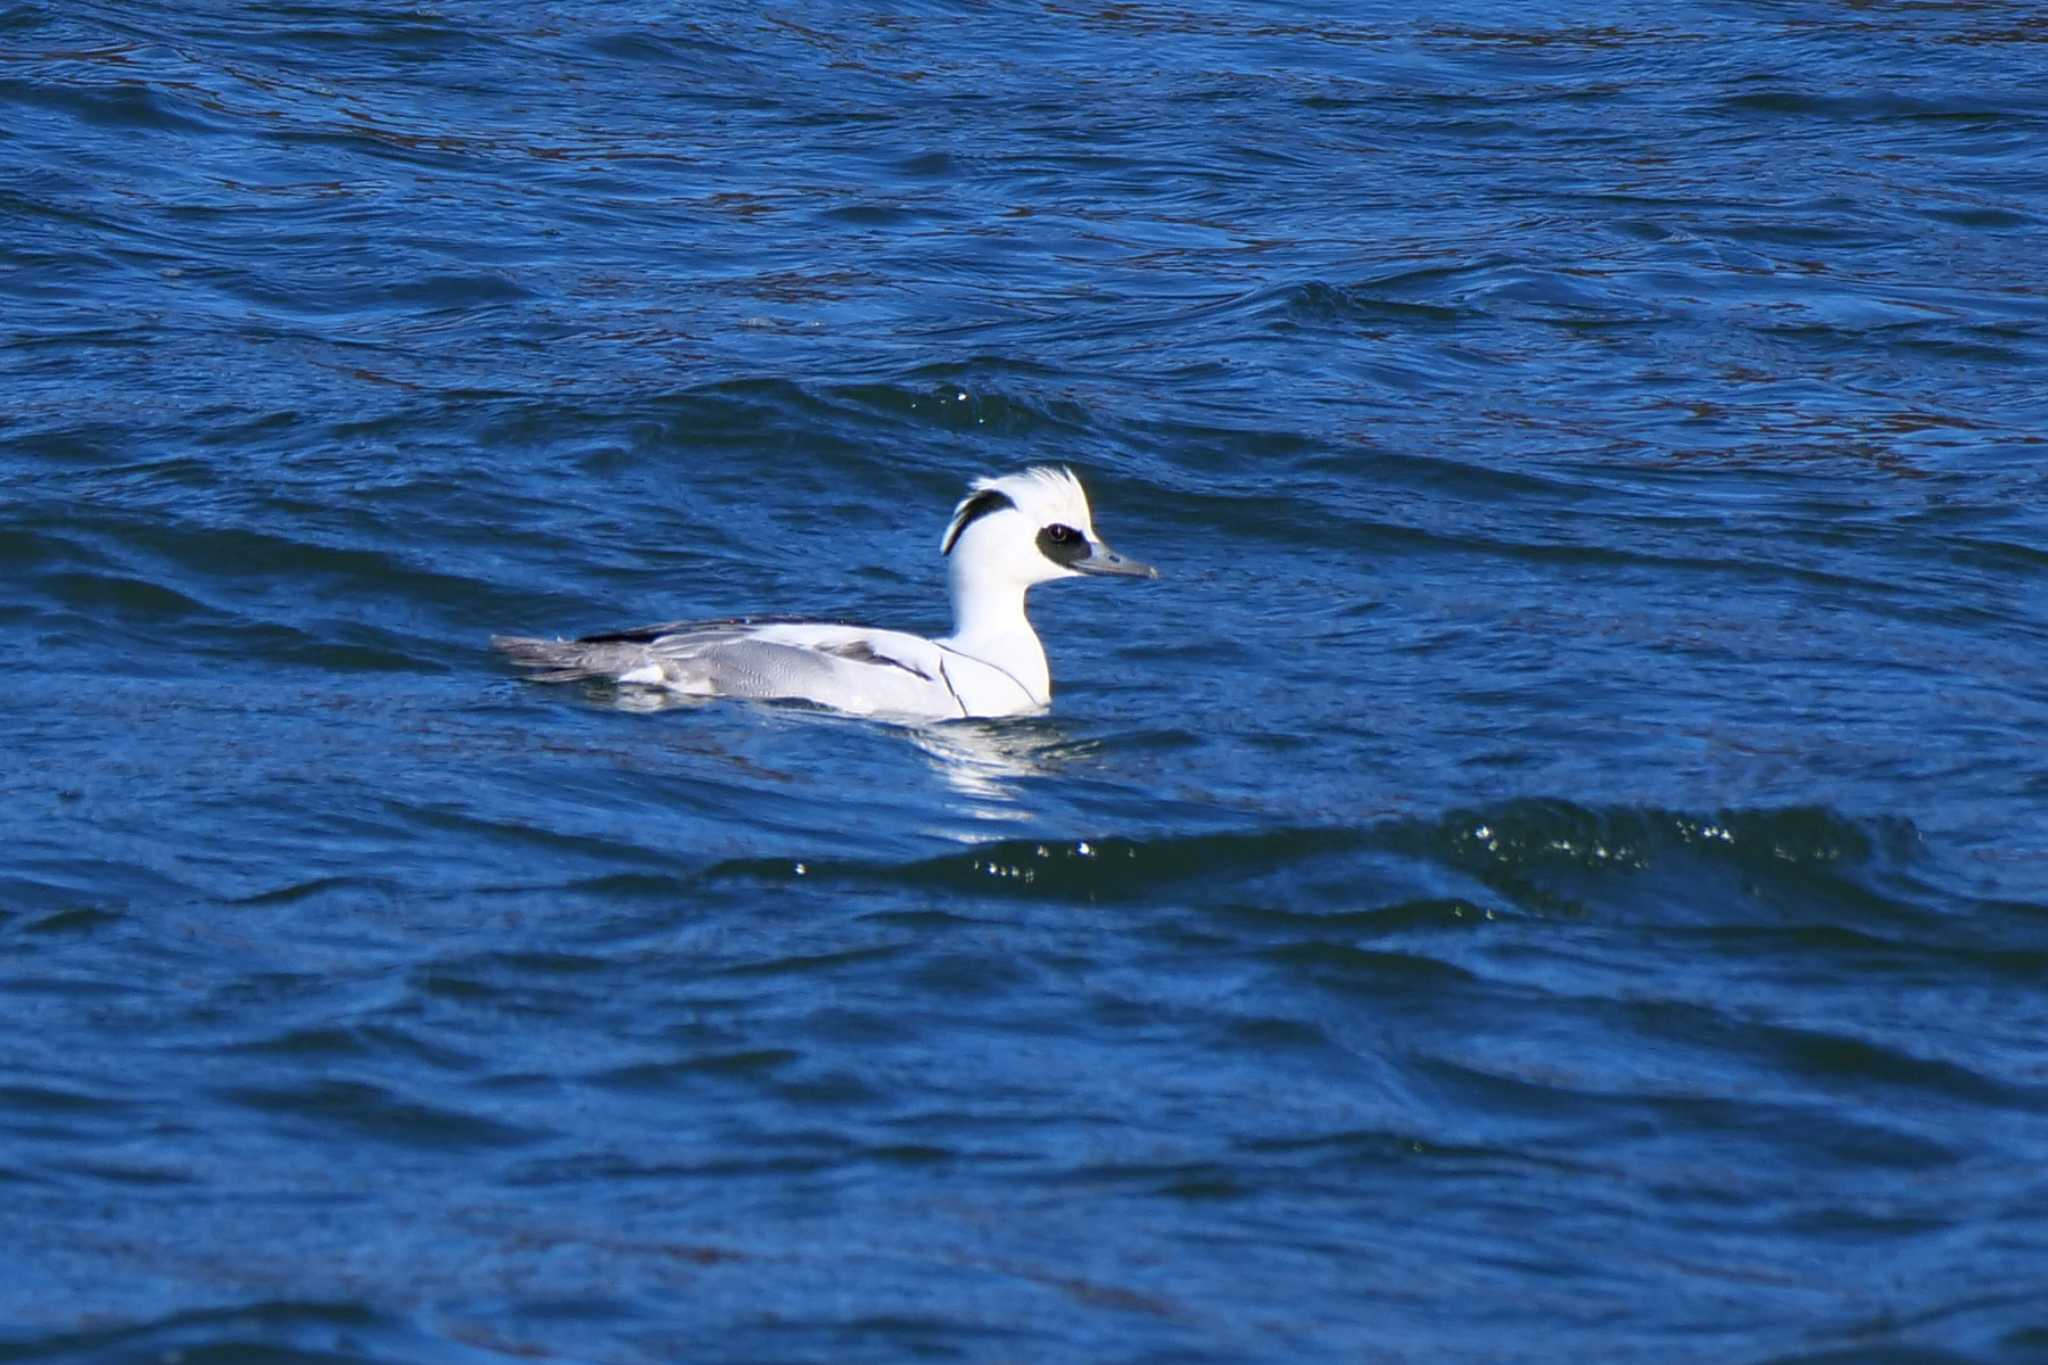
(612, 653)
(715, 658)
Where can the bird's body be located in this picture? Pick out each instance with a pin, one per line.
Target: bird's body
(1006, 535)
(850, 668)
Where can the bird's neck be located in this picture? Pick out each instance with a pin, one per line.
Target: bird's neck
(989, 624)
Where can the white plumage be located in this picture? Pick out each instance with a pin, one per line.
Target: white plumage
(1007, 535)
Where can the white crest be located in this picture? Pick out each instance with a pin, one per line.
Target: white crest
(1045, 495)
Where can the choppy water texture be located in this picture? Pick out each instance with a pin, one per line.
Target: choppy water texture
(1558, 867)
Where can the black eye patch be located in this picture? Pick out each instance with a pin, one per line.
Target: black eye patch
(1063, 545)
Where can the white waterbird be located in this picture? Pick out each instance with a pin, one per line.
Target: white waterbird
(1007, 535)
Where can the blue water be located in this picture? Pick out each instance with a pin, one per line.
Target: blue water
(1556, 867)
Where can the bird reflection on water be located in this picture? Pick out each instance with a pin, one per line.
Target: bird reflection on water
(984, 763)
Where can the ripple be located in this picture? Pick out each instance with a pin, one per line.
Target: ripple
(373, 1111)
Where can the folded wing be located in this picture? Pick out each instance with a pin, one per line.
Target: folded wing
(850, 668)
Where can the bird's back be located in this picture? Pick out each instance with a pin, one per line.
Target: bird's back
(848, 668)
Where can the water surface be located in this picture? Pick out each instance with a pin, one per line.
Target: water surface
(1557, 865)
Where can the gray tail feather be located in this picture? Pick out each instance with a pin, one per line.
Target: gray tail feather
(567, 660)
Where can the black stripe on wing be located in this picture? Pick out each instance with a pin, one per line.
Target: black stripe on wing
(647, 635)
(861, 652)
